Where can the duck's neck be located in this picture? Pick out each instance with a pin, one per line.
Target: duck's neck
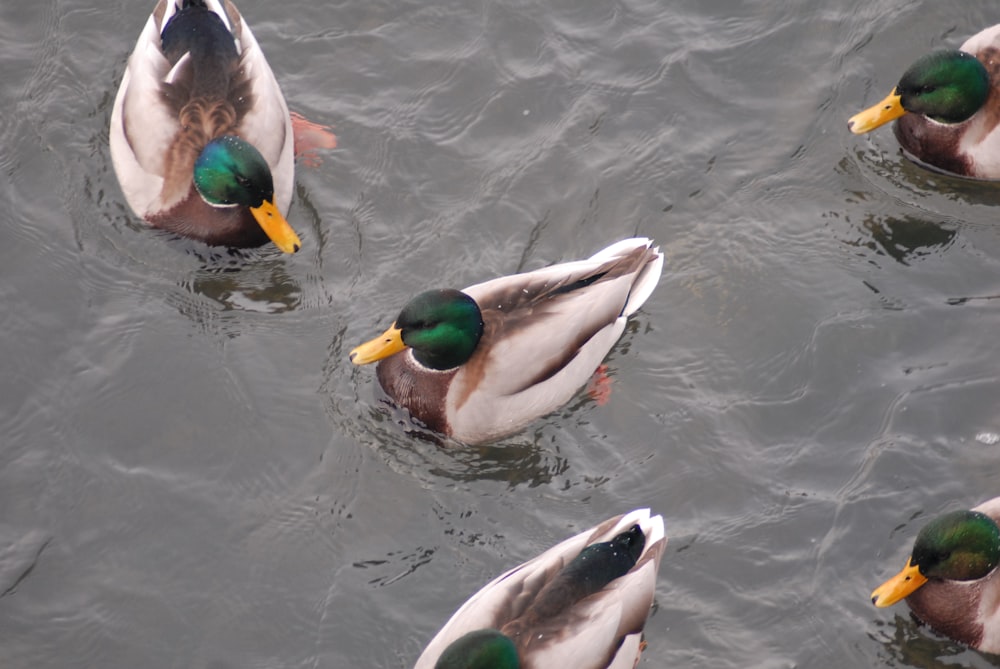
(218, 226)
(953, 607)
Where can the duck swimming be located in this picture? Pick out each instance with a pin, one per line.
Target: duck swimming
(201, 138)
(947, 109)
(481, 363)
(580, 605)
(951, 580)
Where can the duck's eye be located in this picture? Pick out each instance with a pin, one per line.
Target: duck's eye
(242, 181)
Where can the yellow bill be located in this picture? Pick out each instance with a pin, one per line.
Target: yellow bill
(888, 110)
(276, 227)
(900, 586)
(388, 343)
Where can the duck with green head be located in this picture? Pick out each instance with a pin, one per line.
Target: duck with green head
(201, 138)
(481, 363)
(947, 109)
(951, 579)
(581, 604)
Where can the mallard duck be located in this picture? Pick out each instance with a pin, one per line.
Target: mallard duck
(581, 604)
(201, 138)
(950, 581)
(481, 363)
(948, 109)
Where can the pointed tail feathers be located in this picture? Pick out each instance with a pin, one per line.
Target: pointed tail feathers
(646, 278)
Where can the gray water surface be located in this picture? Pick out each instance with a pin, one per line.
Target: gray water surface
(193, 475)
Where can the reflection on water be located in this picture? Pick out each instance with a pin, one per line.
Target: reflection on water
(919, 182)
(516, 464)
(927, 179)
(395, 565)
(518, 460)
(907, 642)
(264, 287)
(19, 554)
(230, 282)
(959, 301)
(904, 239)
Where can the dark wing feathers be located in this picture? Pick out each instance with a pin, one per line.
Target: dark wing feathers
(207, 73)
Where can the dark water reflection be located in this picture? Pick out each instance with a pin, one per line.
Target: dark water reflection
(908, 643)
(526, 459)
(266, 290)
(904, 240)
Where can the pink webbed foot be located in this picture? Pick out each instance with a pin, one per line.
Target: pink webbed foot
(309, 138)
(599, 387)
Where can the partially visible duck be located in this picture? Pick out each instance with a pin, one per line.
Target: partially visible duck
(481, 363)
(948, 108)
(580, 605)
(951, 580)
(201, 138)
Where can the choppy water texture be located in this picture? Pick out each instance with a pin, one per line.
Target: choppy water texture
(193, 475)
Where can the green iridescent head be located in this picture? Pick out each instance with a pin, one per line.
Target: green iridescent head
(229, 171)
(442, 327)
(946, 86)
(482, 649)
(958, 546)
